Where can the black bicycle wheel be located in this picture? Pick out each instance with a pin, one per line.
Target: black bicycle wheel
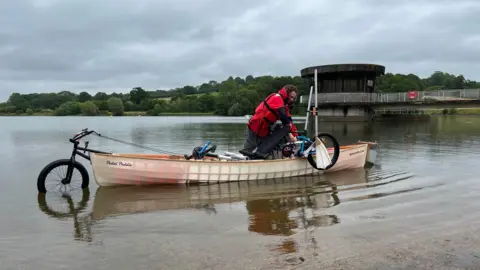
(80, 178)
(336, 152)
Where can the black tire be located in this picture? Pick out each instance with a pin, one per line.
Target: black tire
(57, 163)
(336, 152)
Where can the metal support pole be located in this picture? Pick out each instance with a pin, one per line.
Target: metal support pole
(309, 104)
(316, 102)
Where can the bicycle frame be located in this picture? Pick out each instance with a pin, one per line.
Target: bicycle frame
(76, 151)
(305, 152)
(76, 141)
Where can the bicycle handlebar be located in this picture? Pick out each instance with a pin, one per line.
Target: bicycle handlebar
(81, 134)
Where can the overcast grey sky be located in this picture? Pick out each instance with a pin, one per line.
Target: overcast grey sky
(114, 45)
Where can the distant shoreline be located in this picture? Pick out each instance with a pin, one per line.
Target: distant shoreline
(457, 111)
(126, 114)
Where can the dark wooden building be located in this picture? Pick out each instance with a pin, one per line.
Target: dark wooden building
(344, 78)
(345, 91)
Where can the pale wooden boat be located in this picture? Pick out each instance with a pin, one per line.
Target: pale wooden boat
(372, 151)
(144, 169)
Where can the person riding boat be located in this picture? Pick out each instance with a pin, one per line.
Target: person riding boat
(263, 132)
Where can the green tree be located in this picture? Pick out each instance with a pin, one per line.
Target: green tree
(189, 90)
(84, 96)
(115, 106)
(19, 101)
(68, 108)
(147, 104)
(157, 110)
(101, 104)
(206, 103)
(137, 95)
(100, 96)
(130, 106)
(89, 108)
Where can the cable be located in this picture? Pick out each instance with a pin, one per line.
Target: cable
(137, 145)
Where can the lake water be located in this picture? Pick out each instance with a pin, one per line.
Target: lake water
(417, 208)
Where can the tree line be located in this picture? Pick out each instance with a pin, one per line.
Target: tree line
(231, 97)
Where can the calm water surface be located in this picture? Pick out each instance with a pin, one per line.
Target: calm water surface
(418, 207)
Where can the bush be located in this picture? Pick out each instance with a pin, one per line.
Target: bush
(115, 106)
(68, 108)
(89, 108)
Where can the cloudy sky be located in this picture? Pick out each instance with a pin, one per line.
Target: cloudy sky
(114, 45)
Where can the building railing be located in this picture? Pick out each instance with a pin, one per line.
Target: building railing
(400, 97)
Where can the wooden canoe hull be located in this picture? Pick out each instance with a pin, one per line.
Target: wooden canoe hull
(143, 169)
(372, 152)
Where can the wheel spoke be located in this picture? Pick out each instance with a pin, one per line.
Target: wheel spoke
(59, 175)
(53, 180)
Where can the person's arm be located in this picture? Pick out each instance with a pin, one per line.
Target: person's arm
(289, 121)
(293, 130)
(276, 103)
(282, 114)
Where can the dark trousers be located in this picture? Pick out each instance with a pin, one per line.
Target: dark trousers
(264, 145)
(252, 141)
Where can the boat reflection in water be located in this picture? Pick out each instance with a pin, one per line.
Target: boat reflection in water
(274, 207)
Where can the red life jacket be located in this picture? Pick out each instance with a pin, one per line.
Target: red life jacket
(266, 113)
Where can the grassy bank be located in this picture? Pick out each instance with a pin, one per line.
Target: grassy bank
(132, 113)
(26, 114)
(143, 113)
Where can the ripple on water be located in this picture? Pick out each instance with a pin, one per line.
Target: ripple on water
(291, 209)
(427, 184)
(273, 207)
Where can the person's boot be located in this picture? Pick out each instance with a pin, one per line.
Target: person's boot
(254, 154)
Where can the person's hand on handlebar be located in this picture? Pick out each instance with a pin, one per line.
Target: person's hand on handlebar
(291, 137)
